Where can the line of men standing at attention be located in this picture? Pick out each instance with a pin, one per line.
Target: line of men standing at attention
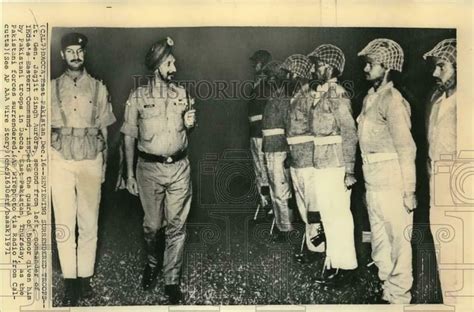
(309, 144)
(304, 136)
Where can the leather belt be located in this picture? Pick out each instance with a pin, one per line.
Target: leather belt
(163, 159)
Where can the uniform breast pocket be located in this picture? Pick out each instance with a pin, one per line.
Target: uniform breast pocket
(149, 122)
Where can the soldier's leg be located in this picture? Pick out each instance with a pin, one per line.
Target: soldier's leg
(447, 229)
(279, 181)
(381, 246)
(88, 185)
(63, 194)
(336, 217)
(150, 179)
(177, 205)
(298, 186)
(398, 225)
(258, 158)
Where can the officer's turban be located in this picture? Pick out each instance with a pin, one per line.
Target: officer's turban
(384, 51)
(158, 52)
(445, 50)
(73, 39)
(298, 64)
(331, 55)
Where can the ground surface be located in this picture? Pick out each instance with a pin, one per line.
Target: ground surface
(230, 259)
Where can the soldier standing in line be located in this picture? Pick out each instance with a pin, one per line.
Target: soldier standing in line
(335, 144)
(159, 116)
(441, 125)
(80, 115)
(300, 140)
(388, 155)
(255, 110)
(275, 147)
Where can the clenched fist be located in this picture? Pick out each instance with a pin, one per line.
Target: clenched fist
(190, 118)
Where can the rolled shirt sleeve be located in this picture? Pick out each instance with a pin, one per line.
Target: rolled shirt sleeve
(106, 116)
(130, 124)
(399, 125)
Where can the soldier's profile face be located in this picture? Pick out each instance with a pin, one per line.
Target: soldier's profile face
(167, 68)
(323, 71)
(443, 71)
(74, 56)
(258, 67)
(373, 70)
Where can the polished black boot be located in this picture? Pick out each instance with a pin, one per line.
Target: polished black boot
(149, 277)
(71, 292)
(174, 294)
(86, 291)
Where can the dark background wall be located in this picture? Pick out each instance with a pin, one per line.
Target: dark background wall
(209, 53)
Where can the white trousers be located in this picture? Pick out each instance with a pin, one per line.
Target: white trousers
(333, 201)
(391, 227)
(75, 190)
(280, 189)
(447, 227)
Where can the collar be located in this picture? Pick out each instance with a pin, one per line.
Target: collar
(78, 78)
(325, 87)
(381, 88)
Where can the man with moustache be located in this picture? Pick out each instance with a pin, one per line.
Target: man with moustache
(80, 114)
(299, 71)
(159, 115)
(256, 105)
(441, 126)
(335, 143)
(388, 155)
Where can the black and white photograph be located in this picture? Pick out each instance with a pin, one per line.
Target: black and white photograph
(252, 165)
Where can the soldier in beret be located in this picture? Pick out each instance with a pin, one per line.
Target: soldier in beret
(80, 115)
(159, 116)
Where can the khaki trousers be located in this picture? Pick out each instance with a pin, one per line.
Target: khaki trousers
(165, 193)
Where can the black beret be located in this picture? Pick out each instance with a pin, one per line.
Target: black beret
(73, 39)
(262, 56)
(158, 52)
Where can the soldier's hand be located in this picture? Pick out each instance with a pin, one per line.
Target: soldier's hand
(190, 118)
(409, 201)
(349, 180)
(132, 186)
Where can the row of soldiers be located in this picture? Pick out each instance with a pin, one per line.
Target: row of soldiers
(304, 136)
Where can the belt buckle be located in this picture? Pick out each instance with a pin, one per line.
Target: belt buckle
(169, 160)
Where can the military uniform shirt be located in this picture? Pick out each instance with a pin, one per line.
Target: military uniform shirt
(332, 116)
(384, 127)
(298, 124)
(256, 107)
(77, 96)
(154, 115)
(274, 116)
